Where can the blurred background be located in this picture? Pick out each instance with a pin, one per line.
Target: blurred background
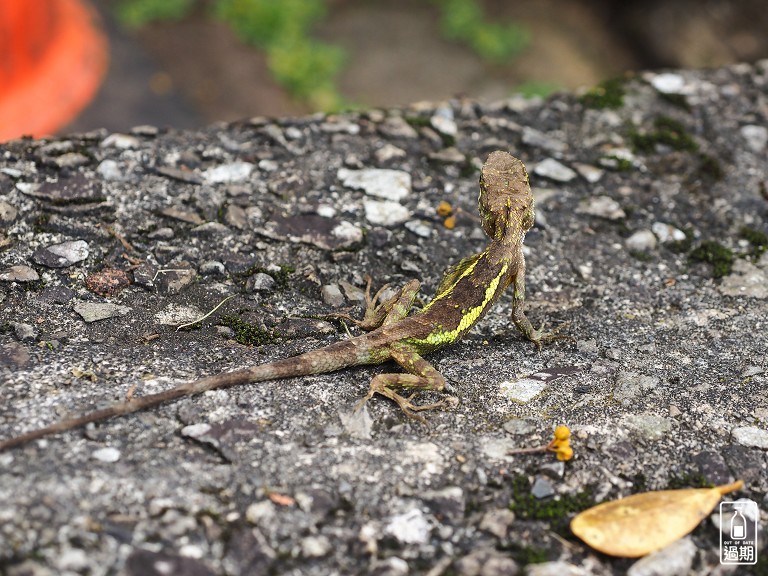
(77, 65)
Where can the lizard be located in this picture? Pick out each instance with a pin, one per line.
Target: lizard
(464, 295)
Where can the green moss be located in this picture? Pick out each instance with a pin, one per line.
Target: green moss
(531, 555)
(683, 246)
(758, 240)
(678, 100)
(534, 89)
(136, 13)
(609, 94)
(667, 132)
(281, 277)
(418, 121)
(641, 256)
(716, 254)
(688, 480)
(622, 164)
(248, 334)
(557, 511)
(710, 167)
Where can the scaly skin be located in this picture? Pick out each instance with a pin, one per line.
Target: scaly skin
(466, 293)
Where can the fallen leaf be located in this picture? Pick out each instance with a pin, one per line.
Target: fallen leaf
(641, 523)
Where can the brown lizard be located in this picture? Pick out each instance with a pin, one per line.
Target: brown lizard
(465, 294)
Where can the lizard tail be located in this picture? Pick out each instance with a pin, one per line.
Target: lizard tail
(328, 359)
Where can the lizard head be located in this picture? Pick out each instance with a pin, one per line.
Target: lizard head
(506, 201)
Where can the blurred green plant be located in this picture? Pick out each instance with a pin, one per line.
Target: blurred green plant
(535, 89)
(136, 13)
(306, 67)
(463, 20)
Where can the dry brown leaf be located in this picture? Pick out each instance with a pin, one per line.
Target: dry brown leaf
(641, 523)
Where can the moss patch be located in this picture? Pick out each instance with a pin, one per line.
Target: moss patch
(757, 239)
(716, 254)
(609, 94)
(557, 511)
(248, 334)
(667, 132)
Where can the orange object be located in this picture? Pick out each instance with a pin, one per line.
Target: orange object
(53, 57)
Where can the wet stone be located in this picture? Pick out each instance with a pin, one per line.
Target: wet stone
(19, 273)
(62, 255)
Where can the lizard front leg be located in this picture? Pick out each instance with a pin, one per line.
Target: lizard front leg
(537, 336)
(421, 376)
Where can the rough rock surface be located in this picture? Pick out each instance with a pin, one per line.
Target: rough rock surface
(664, 386)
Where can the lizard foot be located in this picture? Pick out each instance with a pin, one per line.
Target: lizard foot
(409, 408)
(539, 337)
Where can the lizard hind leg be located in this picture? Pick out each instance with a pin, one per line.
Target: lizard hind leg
(387, 311)
(421, 376)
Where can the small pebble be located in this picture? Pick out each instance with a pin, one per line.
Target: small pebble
(108, 455)
(641, 241)
(554, 170)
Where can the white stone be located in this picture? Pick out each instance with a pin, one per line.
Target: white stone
(751, 436)
(641, 241)
(667, 233)
(554, 170)
(411, 527)
(393, 185)
(668, 83)
(384, 213)
(233, 172)
(108, 455)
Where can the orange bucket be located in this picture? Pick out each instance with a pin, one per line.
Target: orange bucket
(53, 57)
